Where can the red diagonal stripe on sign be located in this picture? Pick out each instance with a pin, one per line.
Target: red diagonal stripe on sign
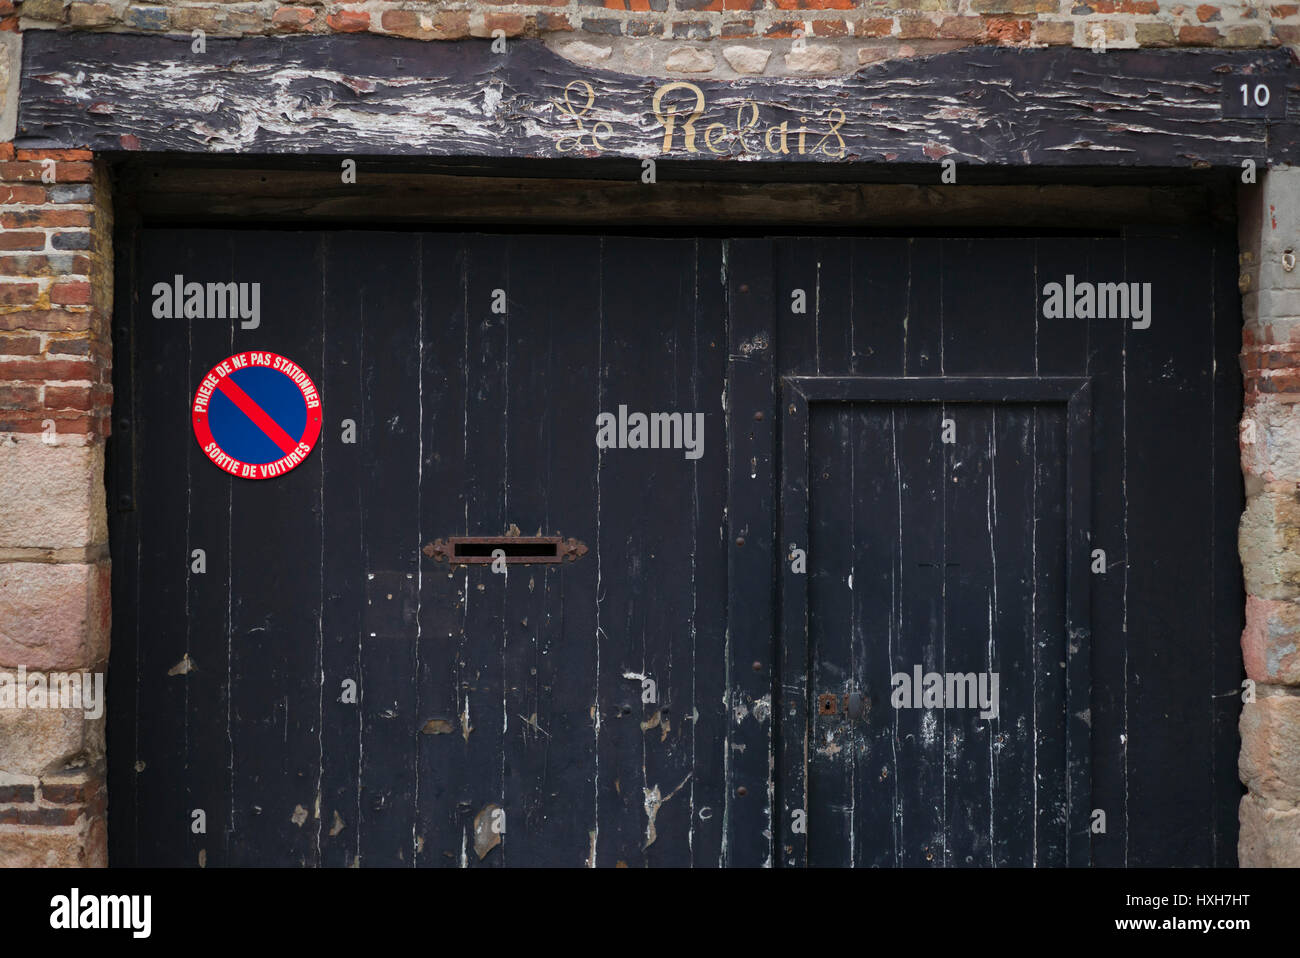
(244, 402)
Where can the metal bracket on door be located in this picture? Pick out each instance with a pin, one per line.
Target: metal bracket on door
(516, 550)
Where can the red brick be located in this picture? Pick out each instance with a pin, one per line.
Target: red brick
(448, 25)
(874, 28)
(961, 28)
(1198, 36)
(22, 240)
(25, 219)
(69, 346)
(1282, 383)
(47, 320)
(783, 28)
(78, 794)
(292, 18)
(17, 294)
(348, 21)
(830, 28)
(815, 4)
(1010, 31)
(917, 29)
(1287, 32)
(38, 155)
(35, 370)
(64, 172)
(6, 149)
(1277, 358)
(32, 264)
(1282, 10)
(17, 794)
(70, 294)
(21, 194)
(40, 816)
(19, 397)
(1206, 12)
(511, 24)
(20, 345)
(548, 22)
(67, 397)
(1054, 33)
(530, 3)
(399, 20)
(68, 421)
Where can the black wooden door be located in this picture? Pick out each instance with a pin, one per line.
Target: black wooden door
(1080, 542)
(299, 676)
(943, 525)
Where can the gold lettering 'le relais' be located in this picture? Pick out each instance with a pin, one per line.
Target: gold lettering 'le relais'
(679, 106)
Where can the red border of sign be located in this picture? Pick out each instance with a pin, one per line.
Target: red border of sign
(218, 456)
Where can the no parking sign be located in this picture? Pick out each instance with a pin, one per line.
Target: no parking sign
(256, 415)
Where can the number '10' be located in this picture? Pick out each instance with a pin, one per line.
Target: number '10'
(1261, 95)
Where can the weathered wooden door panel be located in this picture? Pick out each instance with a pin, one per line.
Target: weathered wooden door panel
(1165, 399)
(519, 692)
(938, 549)
(324, 692)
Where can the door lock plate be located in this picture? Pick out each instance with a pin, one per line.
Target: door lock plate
(852, 704)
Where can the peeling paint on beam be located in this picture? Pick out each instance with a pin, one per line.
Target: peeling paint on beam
(369, 95)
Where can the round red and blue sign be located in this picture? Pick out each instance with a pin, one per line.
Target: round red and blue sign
(256, 415)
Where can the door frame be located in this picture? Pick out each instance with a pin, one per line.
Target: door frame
(794, 709)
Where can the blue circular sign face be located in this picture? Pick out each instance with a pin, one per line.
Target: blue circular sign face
(256, 415)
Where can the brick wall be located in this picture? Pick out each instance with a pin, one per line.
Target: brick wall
(55, 289)
(1270, 528)
(840, 35)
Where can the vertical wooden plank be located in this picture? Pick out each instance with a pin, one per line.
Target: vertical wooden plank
(684, 361)
(710, 718)
(161, 424)
(988, 307)
(1026, 784)
(969, 643)
(122, 686)
(1168, 417)
(389, 316)
(482, 682)
(923, 333)
(1078, 627)
(793, 712)
(444, 742)
(562, 302)
(549, 664)
(208, 527)
(275, 589)
(920, 499)
(879, 281)
(832, 551)
(1227, 494)
(646, 525)
(344, 396)
(877, 541)
(1103, 343)
(751, 402)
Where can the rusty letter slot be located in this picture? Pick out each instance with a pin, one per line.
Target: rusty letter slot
(518, 550)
